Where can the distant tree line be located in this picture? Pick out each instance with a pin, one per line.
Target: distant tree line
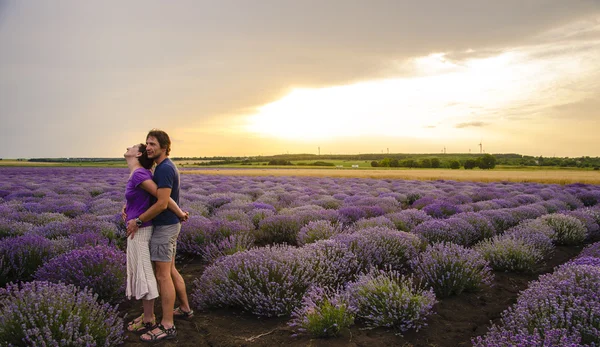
(487, 161)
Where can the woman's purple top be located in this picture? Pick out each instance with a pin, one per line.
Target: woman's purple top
(138, 200)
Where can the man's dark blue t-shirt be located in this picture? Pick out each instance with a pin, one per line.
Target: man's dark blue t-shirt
(166, 175)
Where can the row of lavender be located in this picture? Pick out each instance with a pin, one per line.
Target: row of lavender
(366, 221)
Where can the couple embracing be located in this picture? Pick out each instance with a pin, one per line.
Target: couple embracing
(153, 220)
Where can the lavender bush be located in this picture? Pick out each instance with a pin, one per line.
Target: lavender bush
(482, 227)
(453, 230)
(408, 219)
(501, 219)
(441, 209)
(278, 229)
(101, 269)
(373, 222)
(267, 281)
(10, 228)
(195, 233)
(49, 314)
(510, 254)
(592, 250)
(566, 300)
(535, 233)
(322, 313)
(389, 299)
(332, 263)
(214, 250)
(317, 230)
(593, 261)
(587, 219)
(451, 269)
(380, 247)
(567, 230)
(21, 256)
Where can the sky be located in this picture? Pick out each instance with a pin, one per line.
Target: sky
(265, 77)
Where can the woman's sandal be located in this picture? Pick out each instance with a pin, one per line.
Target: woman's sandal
(139, 326)
(179, 313)
(162, 334)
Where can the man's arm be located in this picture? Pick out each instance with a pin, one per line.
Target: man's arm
(149, 186)
(163, 195)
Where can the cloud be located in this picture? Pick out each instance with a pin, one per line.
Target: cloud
(94, 71)
(470, 124)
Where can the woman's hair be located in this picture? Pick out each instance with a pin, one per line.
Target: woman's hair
(143, 159)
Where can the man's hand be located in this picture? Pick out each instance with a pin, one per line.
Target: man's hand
(132, 228)
(185, 217)
(123, 214)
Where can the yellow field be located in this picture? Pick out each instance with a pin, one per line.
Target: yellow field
(541, 176)
(11, 162)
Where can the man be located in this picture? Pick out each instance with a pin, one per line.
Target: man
(163, 243)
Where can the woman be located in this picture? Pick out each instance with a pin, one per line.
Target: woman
(141, 282)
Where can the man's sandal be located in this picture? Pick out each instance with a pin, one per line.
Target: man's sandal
(162, 334)
(179, 313)
(139, 326)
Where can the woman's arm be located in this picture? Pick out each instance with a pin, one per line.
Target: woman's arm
(150, 187)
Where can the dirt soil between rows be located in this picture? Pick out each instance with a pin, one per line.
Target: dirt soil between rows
(455, 320)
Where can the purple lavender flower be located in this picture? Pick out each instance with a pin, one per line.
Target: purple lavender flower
(102, 269)
(567, 230)
(510, 254)
(317, 230)
(278, 229)
(266, 281)
(593, 261)
(13, 228)
(451, 269)
(333, 263)
(48, 314)
(323, 313)
(525, 212)
(380, 247)
(453, 230)
(592, 250)
(501, 219)
(441, 209)
(373, 222)
(587, 219)
(216, 249)
(566, 300)
(589, 198)
(483, 227)
(555, 205)
(535, 233)
(389, 299)
(406, 220)
(21, 256)
(194, 235)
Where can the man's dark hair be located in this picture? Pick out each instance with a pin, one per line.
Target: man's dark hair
(163, 139)
(143, 159)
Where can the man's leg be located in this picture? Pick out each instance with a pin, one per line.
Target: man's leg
(167, 292)
(180, 288)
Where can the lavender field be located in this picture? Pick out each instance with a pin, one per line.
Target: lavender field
(309, 260)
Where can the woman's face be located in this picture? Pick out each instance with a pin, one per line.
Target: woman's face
(132, 151)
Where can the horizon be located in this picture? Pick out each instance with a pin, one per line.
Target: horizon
(312, 154)
(237, 79)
